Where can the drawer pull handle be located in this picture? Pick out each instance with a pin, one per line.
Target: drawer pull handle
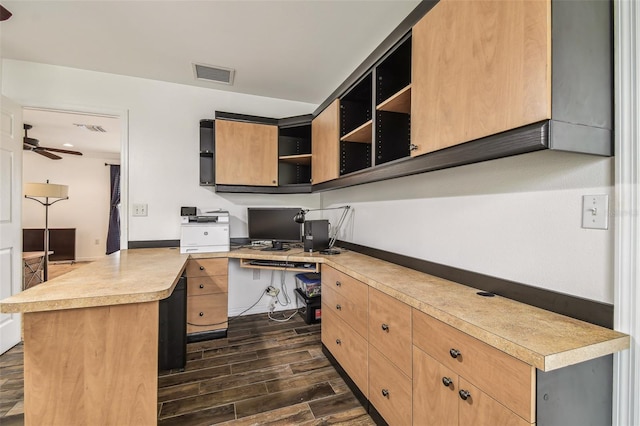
(202, 268)
(338, 307)
(447, 381)
(385, 327)
(385, 393)
(201, 314)
(201, 285)
(338, 342)
(464, 394)
(338, 284)
(454, 353)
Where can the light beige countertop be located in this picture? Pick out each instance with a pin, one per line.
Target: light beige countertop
(538, 337)
(128, 276)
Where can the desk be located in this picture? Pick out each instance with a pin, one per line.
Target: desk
(33, 263)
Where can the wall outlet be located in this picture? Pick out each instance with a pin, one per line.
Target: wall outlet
(139, 210)
(272, 291)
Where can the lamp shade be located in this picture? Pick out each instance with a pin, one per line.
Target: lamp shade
(49, 190)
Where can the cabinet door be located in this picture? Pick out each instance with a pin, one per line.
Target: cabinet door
(479, 68)
(348, 347)
(246, 153)
(325, 144)
(390, 328)
(480, 409)
(389, 390)
(434, 401)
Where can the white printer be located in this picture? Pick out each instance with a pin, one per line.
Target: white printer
(205, 232)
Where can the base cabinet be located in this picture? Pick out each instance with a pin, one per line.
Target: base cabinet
(441, 397)
(207, 298)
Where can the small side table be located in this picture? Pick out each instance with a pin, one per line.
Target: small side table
(33, 266)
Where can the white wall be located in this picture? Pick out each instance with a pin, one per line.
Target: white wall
(87, 208)
(163, 126)
(163, 152)
(516, 218)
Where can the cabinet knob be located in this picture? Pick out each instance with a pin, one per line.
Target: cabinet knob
(413, 147)
(201, 285)
(273, 181)
(454, 353)
(464, 394)
(338, 307)
(202, 268)
(201, 314)
(447, 381)
(338, 342)
(338, 284)
(385, 393)
(385, 327)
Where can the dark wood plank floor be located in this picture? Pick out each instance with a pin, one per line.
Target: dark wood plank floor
(263, 373)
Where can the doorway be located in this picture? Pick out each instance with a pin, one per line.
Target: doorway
(86, 144)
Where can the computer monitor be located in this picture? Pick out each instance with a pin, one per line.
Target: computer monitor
(274, 224)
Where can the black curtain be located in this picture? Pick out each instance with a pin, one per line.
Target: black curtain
(113, 235)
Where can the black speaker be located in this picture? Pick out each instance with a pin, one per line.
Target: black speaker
(316, 235)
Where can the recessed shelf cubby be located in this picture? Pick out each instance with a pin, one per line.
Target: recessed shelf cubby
(294, 154)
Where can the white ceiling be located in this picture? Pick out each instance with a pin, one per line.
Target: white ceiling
(298, 49)
(53, 129)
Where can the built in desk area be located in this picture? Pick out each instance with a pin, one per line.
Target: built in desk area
(91, 336)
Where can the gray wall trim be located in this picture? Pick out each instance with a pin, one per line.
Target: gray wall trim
(585, 310)
(578, 138)
(154, 244)
(582, 62)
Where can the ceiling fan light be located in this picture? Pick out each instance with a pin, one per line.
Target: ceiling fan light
(68, 144)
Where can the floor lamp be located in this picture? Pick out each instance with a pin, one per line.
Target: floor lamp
(33, 191)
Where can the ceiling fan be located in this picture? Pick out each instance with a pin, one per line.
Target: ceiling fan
(31, 144)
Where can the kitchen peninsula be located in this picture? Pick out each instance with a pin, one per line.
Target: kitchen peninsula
(91, 336)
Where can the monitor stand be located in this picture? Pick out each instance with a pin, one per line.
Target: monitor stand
(276, 246)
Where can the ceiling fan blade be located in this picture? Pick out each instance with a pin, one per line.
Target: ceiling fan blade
(47, 154)
(27, 147)
(64, 151)
(4, 13)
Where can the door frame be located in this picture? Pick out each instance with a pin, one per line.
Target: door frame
(626, 389)
(123, 115)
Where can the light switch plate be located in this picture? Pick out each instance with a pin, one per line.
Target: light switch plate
(595, 211)
(139, 210)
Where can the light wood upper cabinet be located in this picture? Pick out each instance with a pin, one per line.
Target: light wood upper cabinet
(246, 153)
(479, 68)
(325, 144)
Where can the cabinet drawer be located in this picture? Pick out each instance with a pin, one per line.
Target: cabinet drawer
(510, 381)
(348, 347)
(349, 287)
(390, 328)
(203, 267)
(389, 389)
(206, 285)
(354, 314)
(206, 312)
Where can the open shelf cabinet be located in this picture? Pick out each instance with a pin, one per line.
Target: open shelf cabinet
(207, 150)
(294, 154)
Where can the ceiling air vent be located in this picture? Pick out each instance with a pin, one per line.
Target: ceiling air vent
(213, 73)
(91, 127)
